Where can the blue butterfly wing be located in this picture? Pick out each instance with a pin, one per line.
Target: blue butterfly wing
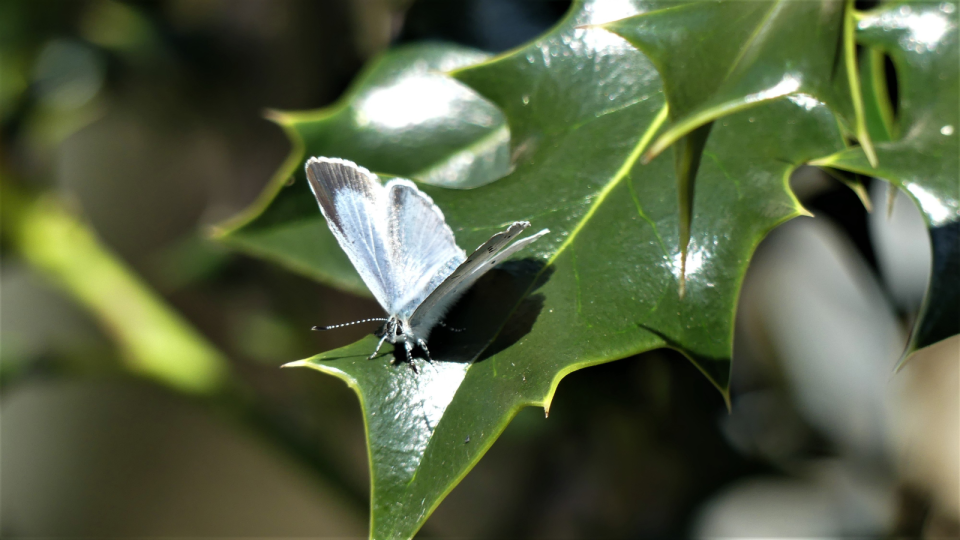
(353, 203)
(425, 251)
(394, 235)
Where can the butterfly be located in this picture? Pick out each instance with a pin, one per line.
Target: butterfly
(402, 247)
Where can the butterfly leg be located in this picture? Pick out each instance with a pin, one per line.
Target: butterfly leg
(375, 351)
(409, 347)
(423, 345)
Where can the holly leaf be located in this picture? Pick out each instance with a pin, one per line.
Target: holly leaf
(921, 39)
(722, 57)
(582, 106)
(878, 107)
(402, 116)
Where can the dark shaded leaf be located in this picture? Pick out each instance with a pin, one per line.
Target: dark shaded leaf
(921, 39)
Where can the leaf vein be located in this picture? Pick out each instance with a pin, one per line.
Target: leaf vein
(774, 6)
(643, 216)
(620, 175)
(736, 183)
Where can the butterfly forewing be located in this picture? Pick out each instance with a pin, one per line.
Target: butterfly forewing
(352, 200)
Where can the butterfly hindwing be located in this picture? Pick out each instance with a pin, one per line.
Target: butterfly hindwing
(424, 249)
(482, 260)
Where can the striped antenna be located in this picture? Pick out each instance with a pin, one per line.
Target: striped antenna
(318, 328)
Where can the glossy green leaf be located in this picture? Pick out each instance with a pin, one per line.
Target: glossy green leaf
(921, 39)
(876, 97)
(582, 106)
(721, 57)
(403, 117)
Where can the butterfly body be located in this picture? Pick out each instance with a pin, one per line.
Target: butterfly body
(402, 247)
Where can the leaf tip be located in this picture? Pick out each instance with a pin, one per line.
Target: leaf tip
(825, 161)
(868, 150)
(216, 231)
(900, 364)
(277, 116)
(296, 363)
(891, 199)
(589, 26)
(908, 351)
(654, 150)
(864, 197)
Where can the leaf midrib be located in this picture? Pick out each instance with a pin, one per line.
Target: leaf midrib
(617, 178)
(753, 37)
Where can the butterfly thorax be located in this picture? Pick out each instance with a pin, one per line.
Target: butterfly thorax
(397, 330)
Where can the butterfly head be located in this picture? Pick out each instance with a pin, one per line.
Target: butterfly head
(394, 330)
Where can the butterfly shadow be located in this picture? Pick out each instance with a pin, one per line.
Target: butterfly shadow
(494, 314)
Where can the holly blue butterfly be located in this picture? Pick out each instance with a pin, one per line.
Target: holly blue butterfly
(402, 247)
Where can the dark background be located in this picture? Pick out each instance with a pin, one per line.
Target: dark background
(145, 119)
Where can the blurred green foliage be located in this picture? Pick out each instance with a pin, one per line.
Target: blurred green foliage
(131, 129)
